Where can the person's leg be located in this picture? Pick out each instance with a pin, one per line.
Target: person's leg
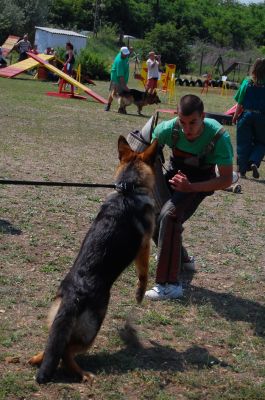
(112, 94)
(258, 149)
(155, 84)
(110, 100)
(23, 56)
(169, 244)
(172, 216)
(150, 86)
(255, 158)
(244, 142)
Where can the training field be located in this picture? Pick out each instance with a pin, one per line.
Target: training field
(207, 346)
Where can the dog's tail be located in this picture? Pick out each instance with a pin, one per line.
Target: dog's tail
(59, 337)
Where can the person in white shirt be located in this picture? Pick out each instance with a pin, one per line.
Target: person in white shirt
(153, 63)
(23, 46)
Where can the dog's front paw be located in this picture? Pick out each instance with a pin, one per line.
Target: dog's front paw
(139, 295)
(37, 359)
(88, 377)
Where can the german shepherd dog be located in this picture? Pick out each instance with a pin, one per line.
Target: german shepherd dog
(140, 99)
(119, 235)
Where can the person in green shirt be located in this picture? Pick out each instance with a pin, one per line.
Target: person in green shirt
(250, 119)
(119, 75)
(198, 145)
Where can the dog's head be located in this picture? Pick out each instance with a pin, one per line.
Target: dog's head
(152, 98)
(138, 167)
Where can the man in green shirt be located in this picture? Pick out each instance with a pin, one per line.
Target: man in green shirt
(119, 75)
(198, 145)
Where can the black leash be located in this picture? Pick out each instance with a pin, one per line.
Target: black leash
(43, 183)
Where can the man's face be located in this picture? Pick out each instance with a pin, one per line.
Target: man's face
(192, 124)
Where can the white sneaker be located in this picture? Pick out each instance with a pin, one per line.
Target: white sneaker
(189, 265)
(156, 293)
(163, 292)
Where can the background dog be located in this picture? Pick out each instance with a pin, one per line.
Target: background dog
(120, 234)
(140, 99)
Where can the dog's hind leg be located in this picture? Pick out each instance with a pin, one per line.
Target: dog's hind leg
(37, 359)
(139, 109)
(122, 106)
(72, 366)
(142, 263)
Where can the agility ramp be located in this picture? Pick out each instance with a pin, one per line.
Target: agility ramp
(9, 44)
(68, 78)
(18, 68)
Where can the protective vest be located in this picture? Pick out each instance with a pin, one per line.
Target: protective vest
(254, 99)
(194, 167)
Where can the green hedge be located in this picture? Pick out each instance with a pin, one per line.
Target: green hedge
(93, 65)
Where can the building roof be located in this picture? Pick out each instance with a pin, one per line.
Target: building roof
(60, 31)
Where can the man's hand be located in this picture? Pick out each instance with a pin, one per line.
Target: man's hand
(238, 111)
(180, 183)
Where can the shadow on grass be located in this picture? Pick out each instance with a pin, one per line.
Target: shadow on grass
(232, 308)
(7, 228)
(262, 181)
(136, 357)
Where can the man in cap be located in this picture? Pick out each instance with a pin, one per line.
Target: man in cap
(119, 75)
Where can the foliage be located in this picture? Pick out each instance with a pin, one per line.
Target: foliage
(181, 23)
(93, 65)
(171, 43)
(71, 14)
(11, 19)
(107, 35)
(19, 17)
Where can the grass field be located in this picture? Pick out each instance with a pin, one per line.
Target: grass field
(207, 346)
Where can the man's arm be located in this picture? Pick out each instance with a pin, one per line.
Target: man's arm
(181, 183)
(239, 109)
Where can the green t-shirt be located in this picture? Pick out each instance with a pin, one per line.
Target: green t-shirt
(240, 94)
(223, 150)
(120, 67)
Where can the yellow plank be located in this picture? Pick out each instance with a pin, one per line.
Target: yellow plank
(29, 63)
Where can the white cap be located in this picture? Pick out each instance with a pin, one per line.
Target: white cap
(125, 51)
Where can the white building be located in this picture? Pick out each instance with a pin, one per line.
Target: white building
(51, 37)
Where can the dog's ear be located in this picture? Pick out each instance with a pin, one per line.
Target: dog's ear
(149, 155)
(124, 149)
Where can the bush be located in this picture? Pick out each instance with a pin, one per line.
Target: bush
(108, 35)
(168, 41)
(93, 65)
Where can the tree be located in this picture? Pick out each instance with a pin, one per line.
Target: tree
(171, 43)
(11, 19)
(18, 17)
(70, 14)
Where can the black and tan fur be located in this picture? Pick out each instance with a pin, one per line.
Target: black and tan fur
(140, 99)
(120, 234)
